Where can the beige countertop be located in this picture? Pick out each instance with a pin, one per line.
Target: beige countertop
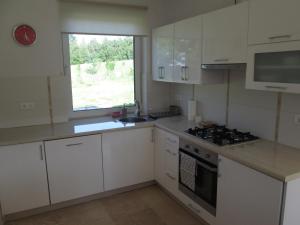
(276, 160)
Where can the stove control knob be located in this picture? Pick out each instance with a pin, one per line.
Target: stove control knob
(196, 150)
(187, 146)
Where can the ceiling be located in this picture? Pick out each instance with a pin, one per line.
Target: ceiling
(140, 3)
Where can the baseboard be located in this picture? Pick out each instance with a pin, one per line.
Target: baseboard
(32, 212)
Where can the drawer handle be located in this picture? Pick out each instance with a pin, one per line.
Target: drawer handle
(221, 60)
(193, 208)
(172, 141)
(170, 152)
(276, 87)
(170, 176)
(75, 144)
(280, 36)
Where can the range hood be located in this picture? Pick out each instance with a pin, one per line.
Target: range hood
(236, 66)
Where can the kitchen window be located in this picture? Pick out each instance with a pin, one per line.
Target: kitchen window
(102, 71)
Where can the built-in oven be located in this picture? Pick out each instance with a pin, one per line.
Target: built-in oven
(198, 175)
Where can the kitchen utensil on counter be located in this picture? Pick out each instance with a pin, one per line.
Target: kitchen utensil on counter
(192, 110)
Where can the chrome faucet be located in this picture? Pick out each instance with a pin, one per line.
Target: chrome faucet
(138, 108)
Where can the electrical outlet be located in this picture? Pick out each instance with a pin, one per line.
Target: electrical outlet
(297, 119)
(27, 105)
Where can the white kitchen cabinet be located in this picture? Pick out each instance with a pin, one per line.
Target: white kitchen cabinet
(166, 160)
(162, 53)
(44, 57)
(188, 50)
(74, 167)
(225, 35)
(246, 196)
(274, 67)
(23, 178)
(128, 157)
(274, 21)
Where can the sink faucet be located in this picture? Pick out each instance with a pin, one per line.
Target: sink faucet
(138, 108)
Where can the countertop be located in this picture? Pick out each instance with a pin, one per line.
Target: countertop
(276, 160)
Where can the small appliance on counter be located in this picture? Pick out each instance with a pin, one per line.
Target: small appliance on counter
(173, 111)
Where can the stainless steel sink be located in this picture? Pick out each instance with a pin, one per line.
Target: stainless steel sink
(135, 119)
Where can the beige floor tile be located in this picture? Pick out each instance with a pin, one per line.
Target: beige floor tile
(147, 206)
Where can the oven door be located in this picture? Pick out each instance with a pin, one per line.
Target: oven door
(206, 182)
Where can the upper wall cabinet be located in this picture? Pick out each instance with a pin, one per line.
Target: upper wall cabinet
(162, 53)
(274, 21)
(187, 50)
(225, 35)
(177, 54)
(44, 57)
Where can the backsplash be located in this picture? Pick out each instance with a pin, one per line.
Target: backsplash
(248, 110)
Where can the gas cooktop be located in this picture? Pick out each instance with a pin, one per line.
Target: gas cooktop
(221, 135)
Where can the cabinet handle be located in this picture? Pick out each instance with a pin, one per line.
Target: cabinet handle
(193, 208)
(170, 152)
(172, 141)
(276, 87)
(152, 136)
(280, 36)
(163, 72)
(221, 60)
(76, 144)
(186, 75)
(182, 71)
(160, 72)
(170, 176)
(41, 153)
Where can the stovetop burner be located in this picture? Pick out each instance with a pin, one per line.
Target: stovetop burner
(220, 135)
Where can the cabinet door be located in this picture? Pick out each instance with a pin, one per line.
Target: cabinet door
(128, 157)
(74, 167)
(274, 21)
(23, 178)
(225, 35)
(246, 196)
(43, 58)
(188, 50)
(274, 67)
(162, 53)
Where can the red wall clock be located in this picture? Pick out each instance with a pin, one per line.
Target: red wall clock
(24, 35)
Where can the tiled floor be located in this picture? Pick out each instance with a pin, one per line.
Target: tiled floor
(147, 206)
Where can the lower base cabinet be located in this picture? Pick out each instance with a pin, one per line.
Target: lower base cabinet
(23, 178)
(247, 197)
(128, 157)
(74, 167)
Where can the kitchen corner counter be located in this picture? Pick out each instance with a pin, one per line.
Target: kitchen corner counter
(276, 160)
(73, 128)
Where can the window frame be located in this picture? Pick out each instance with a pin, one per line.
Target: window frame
(103, 111)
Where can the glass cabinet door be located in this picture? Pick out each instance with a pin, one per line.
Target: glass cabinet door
(277, 67)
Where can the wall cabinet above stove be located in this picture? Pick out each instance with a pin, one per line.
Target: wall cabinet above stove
(274, 21)
(225, 35)
(177, 54)
(44, 57)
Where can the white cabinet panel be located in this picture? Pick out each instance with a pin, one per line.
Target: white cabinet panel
(247, 197)
(43, 58)
(274, 21)
(274, 67)
(74, 167)
(128, 158)
(162, 53)
(225, 35)
(188, 50)
(23, 178)
(166, 160)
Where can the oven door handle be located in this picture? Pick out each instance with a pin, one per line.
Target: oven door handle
(211, 169)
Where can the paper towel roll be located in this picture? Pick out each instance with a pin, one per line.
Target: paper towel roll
(192, 108)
